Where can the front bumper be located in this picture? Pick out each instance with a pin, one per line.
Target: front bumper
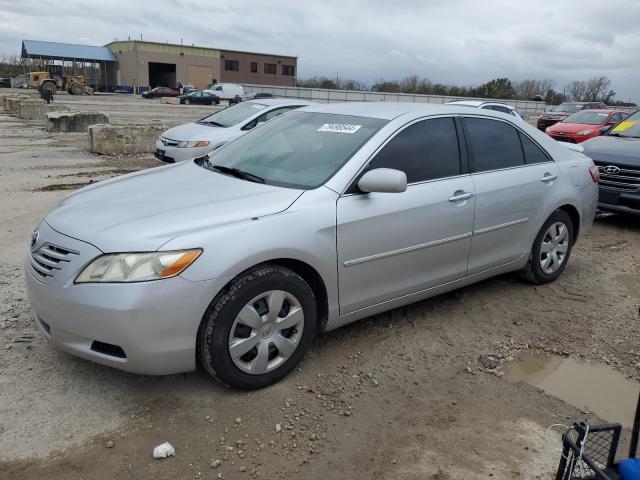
(171, 154)
(147, 327)
(619, 201)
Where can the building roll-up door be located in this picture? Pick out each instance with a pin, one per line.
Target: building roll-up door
(198, 76)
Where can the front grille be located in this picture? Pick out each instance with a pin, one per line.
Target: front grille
(48, 259)
(563, 139)
(625, 180)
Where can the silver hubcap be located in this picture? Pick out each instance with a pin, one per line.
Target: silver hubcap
(266, 332)
(555, 245)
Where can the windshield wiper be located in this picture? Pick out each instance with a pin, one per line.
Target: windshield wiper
(236, 172)
(615, 134)
(215, 124)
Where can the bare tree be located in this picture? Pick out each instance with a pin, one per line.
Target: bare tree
(576, 90)
(528, 89)
(597, 88)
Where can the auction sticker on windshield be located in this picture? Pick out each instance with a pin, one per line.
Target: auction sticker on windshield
(339, 128)
(624, 125)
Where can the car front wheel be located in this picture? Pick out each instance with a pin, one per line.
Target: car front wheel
(259, 328)
(551, 249)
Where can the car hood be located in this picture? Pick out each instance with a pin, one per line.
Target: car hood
(144, 210)
(605, 149)
(555, 114)
(192, 131)
(573, 127)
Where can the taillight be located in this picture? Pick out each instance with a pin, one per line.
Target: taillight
(595, 173)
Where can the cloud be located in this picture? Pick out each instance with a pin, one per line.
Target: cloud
(461, 42)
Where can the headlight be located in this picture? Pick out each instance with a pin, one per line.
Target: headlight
(547, 130)
(585, 132)
(137, 267)
(197, 143)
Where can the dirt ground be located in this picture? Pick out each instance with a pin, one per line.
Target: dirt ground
(401, 395)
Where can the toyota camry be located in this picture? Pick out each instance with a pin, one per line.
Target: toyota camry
(320, 217)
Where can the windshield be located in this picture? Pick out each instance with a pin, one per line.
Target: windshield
(587, 117)
(299, 149)
(568, 107)
(233, 115)
(629, 127)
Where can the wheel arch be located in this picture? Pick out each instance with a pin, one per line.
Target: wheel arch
(574, 214)
(309, 275)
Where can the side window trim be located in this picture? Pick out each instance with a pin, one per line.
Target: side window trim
(465, 170)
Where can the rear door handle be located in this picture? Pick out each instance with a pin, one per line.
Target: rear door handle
(548, 178)
(458, 197)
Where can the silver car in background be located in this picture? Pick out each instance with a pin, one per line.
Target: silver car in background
(321, 217)
(195, 139)
(497, 106)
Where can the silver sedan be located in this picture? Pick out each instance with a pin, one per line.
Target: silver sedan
(321, 217)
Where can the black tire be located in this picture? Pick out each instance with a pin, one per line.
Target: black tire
(50, 86)
(533, 272)
(76, 89)
(215, 328)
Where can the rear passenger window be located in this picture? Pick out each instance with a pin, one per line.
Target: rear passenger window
(424, 151)
(532, 152)
(493, 144)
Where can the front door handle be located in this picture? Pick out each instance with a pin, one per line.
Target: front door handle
(460, 196)
(548, 177)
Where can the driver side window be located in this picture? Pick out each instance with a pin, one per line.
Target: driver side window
(426, 150)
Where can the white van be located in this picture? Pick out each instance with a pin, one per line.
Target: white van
(228, 91)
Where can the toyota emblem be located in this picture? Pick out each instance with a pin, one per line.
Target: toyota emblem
(34, 237)
(611, 170)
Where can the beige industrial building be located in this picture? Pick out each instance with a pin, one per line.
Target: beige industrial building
(142, 65)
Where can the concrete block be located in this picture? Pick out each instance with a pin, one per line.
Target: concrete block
(74, 121)
(38, 109)
(6, 97)
(123, 139)
(170, 100)
(11, 104)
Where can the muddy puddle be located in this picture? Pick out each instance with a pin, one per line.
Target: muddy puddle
(596, 388)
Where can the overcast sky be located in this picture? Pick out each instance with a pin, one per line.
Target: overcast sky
(462, 42)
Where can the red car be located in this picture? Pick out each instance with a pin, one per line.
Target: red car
(160, 92)
(585, 124)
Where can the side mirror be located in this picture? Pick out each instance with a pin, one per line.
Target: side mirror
(605, 129)
(383, 180)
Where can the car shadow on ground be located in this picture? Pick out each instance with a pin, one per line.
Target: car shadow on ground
(626, 221)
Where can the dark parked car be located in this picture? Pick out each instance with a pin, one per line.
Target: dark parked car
(617, 156)
(562, 111)
(200, 97)
(159, 92)
(5, 83)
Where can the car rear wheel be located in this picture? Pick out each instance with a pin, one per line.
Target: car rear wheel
(259, 328)
(551, 249)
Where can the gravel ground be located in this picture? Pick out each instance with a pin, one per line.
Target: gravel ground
(401, 395)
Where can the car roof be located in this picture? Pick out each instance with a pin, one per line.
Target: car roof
(391, 110)
(480, 103)
(280, 101)
(471, 103)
